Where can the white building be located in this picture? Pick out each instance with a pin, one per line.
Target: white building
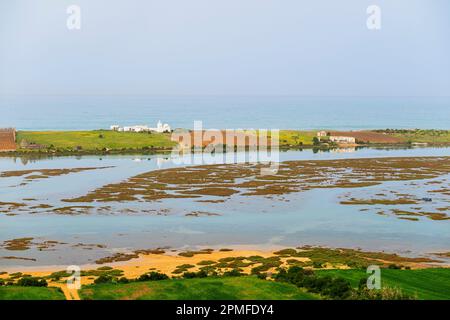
(342, 139)
(136, 128)
(160, 128)
(322, 134)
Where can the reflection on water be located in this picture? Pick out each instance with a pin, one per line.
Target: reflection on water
(313, 217)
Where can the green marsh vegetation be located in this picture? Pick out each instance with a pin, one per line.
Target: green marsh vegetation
(94, 141)
(430, 136)
(224, 181)
(100, 141)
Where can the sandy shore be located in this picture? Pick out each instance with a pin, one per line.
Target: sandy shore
(167, 263)
(164, 263)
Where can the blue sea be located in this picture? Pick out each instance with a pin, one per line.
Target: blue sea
(270, 112)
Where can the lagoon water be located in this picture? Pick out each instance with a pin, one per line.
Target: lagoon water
(309, 218)
(221, 112)
(313, 217)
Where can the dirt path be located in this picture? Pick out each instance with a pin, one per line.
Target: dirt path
(70, 294)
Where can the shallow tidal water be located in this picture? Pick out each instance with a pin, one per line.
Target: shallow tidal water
(312, 217)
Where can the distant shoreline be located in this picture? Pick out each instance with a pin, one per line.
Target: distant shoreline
(105, 142)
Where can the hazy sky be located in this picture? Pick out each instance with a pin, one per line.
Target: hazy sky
(294, 47)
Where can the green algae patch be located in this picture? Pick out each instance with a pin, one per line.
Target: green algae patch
(221, 192)
(12, 205)
(409, 218)
(201, 214)
(411, 215)
(72, 210)
(193, 253)
(18, 258)
(126, 256)
(117, 257)
(292, 176)
(354, 201)
(19, 244)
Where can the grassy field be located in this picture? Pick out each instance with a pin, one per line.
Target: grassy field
(30, 293)
(233, 288)
(420, 136)
(99, 140)
(113, 140)
(295, 137)
(429, 284)
(96, 140)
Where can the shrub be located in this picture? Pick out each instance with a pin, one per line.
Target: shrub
(32, 282)
(206, 263)
(153, 276)
(16, 275)
(189, 275)
(316, 141)
(199, 274)
(382, 294)
(105, 268)
(227, 259)
(123, 280)
(317, 265)
(55, 276)
(233, 273)
(336, 288)
(288, 252)
(185, 266)
(262, 276)
(255, 258)
(103, 279)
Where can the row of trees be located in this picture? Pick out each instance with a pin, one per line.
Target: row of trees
(26, 282)
(336, 287)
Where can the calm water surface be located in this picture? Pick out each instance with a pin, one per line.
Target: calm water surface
(313, 217)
